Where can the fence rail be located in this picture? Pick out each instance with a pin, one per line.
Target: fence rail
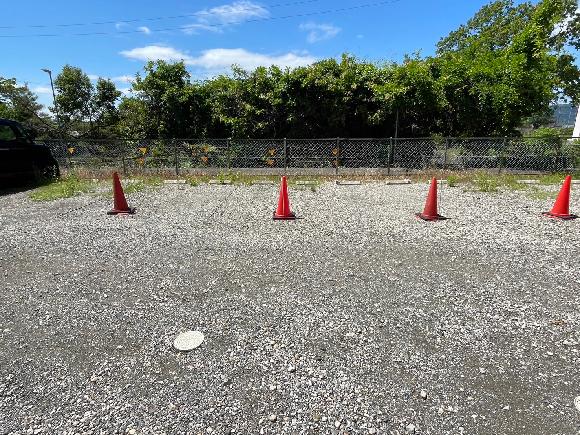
(390, 155)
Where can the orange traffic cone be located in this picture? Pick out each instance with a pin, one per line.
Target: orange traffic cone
(430, 210)
(283, 211)
(561, 209)
(120, 203)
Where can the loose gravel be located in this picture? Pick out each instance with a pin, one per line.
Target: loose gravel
(357, 318)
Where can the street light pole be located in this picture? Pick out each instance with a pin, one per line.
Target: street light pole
(49, 72)
(60, 132)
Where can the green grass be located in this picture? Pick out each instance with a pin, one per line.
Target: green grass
(142, 184)
(483, 182)
(136, 185)
(238, 179)
(65, 187)
(510, 182)
(551, 179)
(452, 181)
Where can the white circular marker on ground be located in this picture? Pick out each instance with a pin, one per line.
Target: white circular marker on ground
(577, 403)
(188, 340)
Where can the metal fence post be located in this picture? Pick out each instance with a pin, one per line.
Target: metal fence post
(445, 155)
(501, 155)
(176, 153)
(228, 154)
(124, 165)
(285, 156)
(337, 156)
(389, 156)
(67, 154)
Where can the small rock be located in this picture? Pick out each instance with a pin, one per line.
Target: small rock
(131, 431)
(273, 418)
(188, 340)
(482, 370)
(372, 431)
(577, 403)
(423, 394)
(291, 369)
(506, 408)
(337, 424)
(410, 428)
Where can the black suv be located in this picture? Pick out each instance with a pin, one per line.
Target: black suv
(21, 158)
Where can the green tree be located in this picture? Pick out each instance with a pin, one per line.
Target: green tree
(84, 108)
(165, 92)
(503, 66)
(20, 104)
(74, 92)
(104, 107)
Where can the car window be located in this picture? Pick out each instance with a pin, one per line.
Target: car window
(6, 133)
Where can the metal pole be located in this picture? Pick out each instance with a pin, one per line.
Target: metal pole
(176, 153)
(124, 165)
(285, 156)
(228, 154)
(336, 160)
(445, 155)
(501, 155)
(60, 133)
(389, 155)
(49, 72)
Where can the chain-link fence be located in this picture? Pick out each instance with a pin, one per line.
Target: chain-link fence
(388, 155)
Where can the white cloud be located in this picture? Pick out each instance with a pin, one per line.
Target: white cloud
(123, 79)
(146, 30)
(220, 58)
(42, 90)
(155, 52)
(118, 79)
(119, 26)
(228, 14)
(194, 29)
(225, 57)
(319, 32)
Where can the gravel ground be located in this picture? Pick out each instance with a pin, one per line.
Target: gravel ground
(357, 318)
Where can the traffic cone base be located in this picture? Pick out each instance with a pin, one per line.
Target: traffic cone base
(564, 217)
(129, 210)
(430, 218)
(289, 217)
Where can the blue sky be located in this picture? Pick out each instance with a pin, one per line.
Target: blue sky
(115, 38)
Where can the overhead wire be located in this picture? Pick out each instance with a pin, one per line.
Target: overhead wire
(217, 25)
(170, 17)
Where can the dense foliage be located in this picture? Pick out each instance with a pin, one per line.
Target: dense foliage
(506, 64)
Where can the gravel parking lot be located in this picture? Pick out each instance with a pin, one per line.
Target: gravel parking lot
(357, 318)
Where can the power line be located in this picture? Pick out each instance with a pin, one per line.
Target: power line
(184, 27)
(170, 17)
